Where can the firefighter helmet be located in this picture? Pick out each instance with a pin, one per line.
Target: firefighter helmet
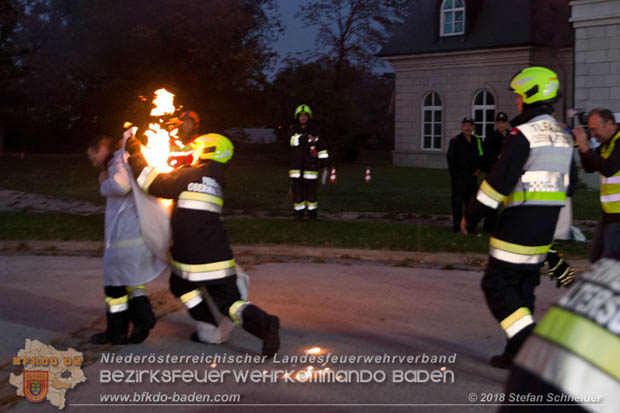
(536, 85)
(303, 108)
(213, 146)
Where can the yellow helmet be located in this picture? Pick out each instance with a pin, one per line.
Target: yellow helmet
(213, 146)
(303, 108)
(536, 84)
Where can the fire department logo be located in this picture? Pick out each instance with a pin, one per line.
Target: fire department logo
(35, 385)
(47, 373)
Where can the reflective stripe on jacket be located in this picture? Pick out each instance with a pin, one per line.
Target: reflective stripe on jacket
(545, 176)
(610, 186)
(574, 349)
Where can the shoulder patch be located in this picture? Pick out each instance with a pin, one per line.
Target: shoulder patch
(514, 131)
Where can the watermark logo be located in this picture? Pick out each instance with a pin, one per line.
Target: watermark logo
(35, 385)
(47, 373)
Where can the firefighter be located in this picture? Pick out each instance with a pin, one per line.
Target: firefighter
(571, 358)
(308, 153)
(530, 179)
(181, 151)
(201, 257)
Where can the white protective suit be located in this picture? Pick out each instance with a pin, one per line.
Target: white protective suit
(127, 261)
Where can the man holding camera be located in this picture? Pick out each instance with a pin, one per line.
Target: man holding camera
(605, 160)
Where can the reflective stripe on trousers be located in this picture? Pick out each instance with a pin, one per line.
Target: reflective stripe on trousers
(236, 310)
(116, 305)
(517, 321)
(517, 254)
(136, 291)
(191, 299)
(204, 272)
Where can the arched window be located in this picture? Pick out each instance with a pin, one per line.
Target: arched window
(452, 17)
(483, 111)
(431, 121)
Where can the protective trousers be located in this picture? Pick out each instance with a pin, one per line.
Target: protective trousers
(227, 299)
(463, 191)
(305, 195)
(509, 293)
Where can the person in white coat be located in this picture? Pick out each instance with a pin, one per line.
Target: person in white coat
(128, 264)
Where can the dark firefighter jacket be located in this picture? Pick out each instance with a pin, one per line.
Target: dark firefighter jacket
(200, 250)
(532, 196)
(308, 151)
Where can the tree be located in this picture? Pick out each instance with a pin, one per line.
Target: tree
(350, 118)
(11, 13)
(352, 31)
(94, 59)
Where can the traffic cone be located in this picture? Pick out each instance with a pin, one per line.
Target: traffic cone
(367, 177)
(332, 176)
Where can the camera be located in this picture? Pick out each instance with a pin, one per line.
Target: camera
(581, 115)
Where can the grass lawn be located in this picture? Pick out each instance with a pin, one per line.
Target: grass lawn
(369, 235)
(262, 185)
(257, 181)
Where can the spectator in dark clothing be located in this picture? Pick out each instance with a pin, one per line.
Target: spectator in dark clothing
(464, 161)
(492, 147)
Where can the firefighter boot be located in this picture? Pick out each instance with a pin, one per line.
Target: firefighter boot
(142, 318)
(264, 326)
(504, 360)
(116, 330)
(312, 214)
(299, 214)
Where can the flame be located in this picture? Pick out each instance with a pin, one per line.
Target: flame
(314, 350)
(164, 103)
(157, 148)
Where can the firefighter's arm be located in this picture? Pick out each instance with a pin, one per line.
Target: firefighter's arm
(503, 177)
(162, 185)
(323, 154)
(117, 181)
(593, 162)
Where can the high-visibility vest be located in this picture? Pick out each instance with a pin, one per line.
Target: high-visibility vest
(574, 349)
(610, 186)
(545, 176)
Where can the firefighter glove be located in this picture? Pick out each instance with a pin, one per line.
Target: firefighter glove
(560, 269)
(133, 146)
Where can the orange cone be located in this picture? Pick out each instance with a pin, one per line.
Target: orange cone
(332, 176)
(367, 177)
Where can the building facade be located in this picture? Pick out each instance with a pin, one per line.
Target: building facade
(455, 58)
(597, 53)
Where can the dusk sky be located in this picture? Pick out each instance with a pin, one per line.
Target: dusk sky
(296, 38)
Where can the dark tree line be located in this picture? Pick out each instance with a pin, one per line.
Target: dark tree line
(70, 69)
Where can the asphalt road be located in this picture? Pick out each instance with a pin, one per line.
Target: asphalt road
(347, 307)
